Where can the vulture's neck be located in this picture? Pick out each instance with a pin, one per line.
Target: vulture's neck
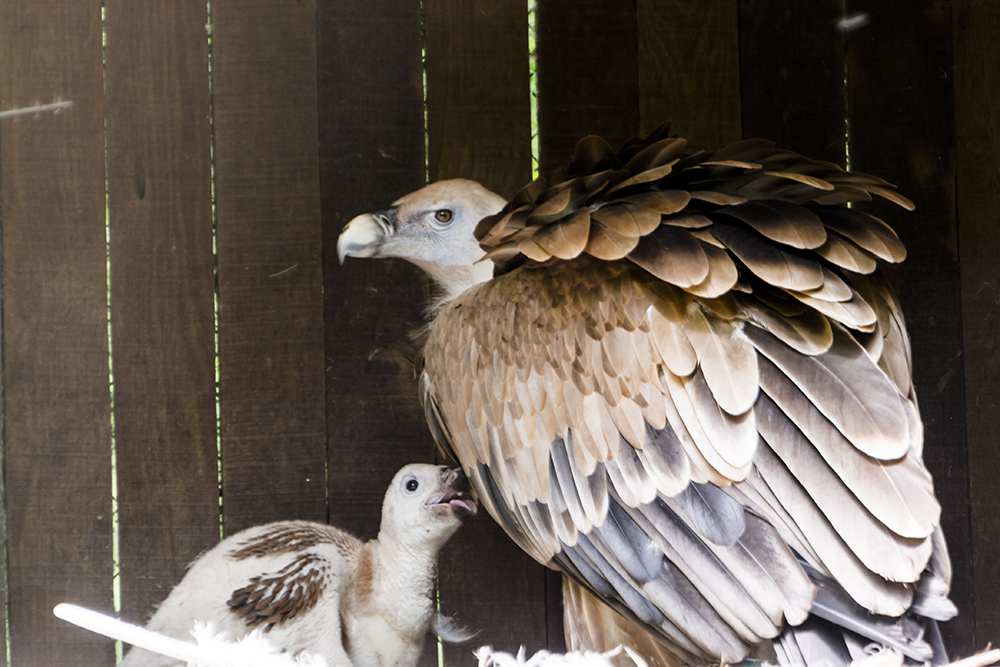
(453, 279)
(403, 585)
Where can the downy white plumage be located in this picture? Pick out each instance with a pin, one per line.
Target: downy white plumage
(312, 587)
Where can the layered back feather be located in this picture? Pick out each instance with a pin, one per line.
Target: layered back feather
(776, 217)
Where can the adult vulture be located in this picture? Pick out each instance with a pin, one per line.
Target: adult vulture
(680, 379)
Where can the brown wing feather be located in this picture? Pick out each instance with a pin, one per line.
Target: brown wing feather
(722, 273)
(867, 588)
(876, 546)
(772, 263)
(899, 493)
(727, 360)
(785, 223)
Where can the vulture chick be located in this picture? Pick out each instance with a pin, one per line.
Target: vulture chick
(683, 383)
(312, 587)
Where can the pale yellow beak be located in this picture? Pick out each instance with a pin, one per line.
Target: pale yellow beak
(361, 237)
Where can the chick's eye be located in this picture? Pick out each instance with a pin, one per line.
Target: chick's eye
(411, 485)
(443, 215)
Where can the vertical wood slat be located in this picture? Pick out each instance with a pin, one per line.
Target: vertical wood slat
(792, 89)
(269, 262)
(977, 71)
(372, 145)
(55, 345)
(478, 109)
(162, 294)
(371, 122)
(587, 75)
(478, 102)
(5, 590)
(689, 69)
(902, 129)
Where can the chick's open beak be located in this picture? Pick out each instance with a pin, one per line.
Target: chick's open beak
(364, 235)
(456, 493)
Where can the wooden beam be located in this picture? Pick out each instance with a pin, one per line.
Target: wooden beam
(371, 114)
(793, 90)
(162, 294)
(977, 132)
(587, 75)
(269, 261)
(689, 69)
(478, 103)
(479, 127)
(57, 435)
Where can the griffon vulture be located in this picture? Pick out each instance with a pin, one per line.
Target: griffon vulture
(680, 379)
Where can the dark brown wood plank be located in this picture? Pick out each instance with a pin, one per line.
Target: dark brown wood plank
(977, 119)
(269, 261)
(479, 128)
(478, 102)
(689, 74)
(55, 341)
(792, 75)
(901, 119)
(587, 75)
(372, 152)
(162, 294)
(4, 543)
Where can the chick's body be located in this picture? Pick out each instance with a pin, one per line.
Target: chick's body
(312, 587)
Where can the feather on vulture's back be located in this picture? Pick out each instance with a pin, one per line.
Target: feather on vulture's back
(687, 387)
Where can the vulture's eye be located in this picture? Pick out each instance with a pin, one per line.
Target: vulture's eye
(411, 485)
(444, 216)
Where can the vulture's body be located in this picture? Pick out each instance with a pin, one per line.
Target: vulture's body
(310, 587)
(683, 383)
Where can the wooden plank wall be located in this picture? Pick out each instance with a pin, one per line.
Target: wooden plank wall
(226, 145)
(162, 285)
(57, 432)
(977, 132)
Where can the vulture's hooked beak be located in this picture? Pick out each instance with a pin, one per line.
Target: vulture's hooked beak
(365, 234)
(456, 493)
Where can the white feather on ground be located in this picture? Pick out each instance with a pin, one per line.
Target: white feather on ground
(209, 649)
(254, 650)
(878, 657)
(490, 658)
